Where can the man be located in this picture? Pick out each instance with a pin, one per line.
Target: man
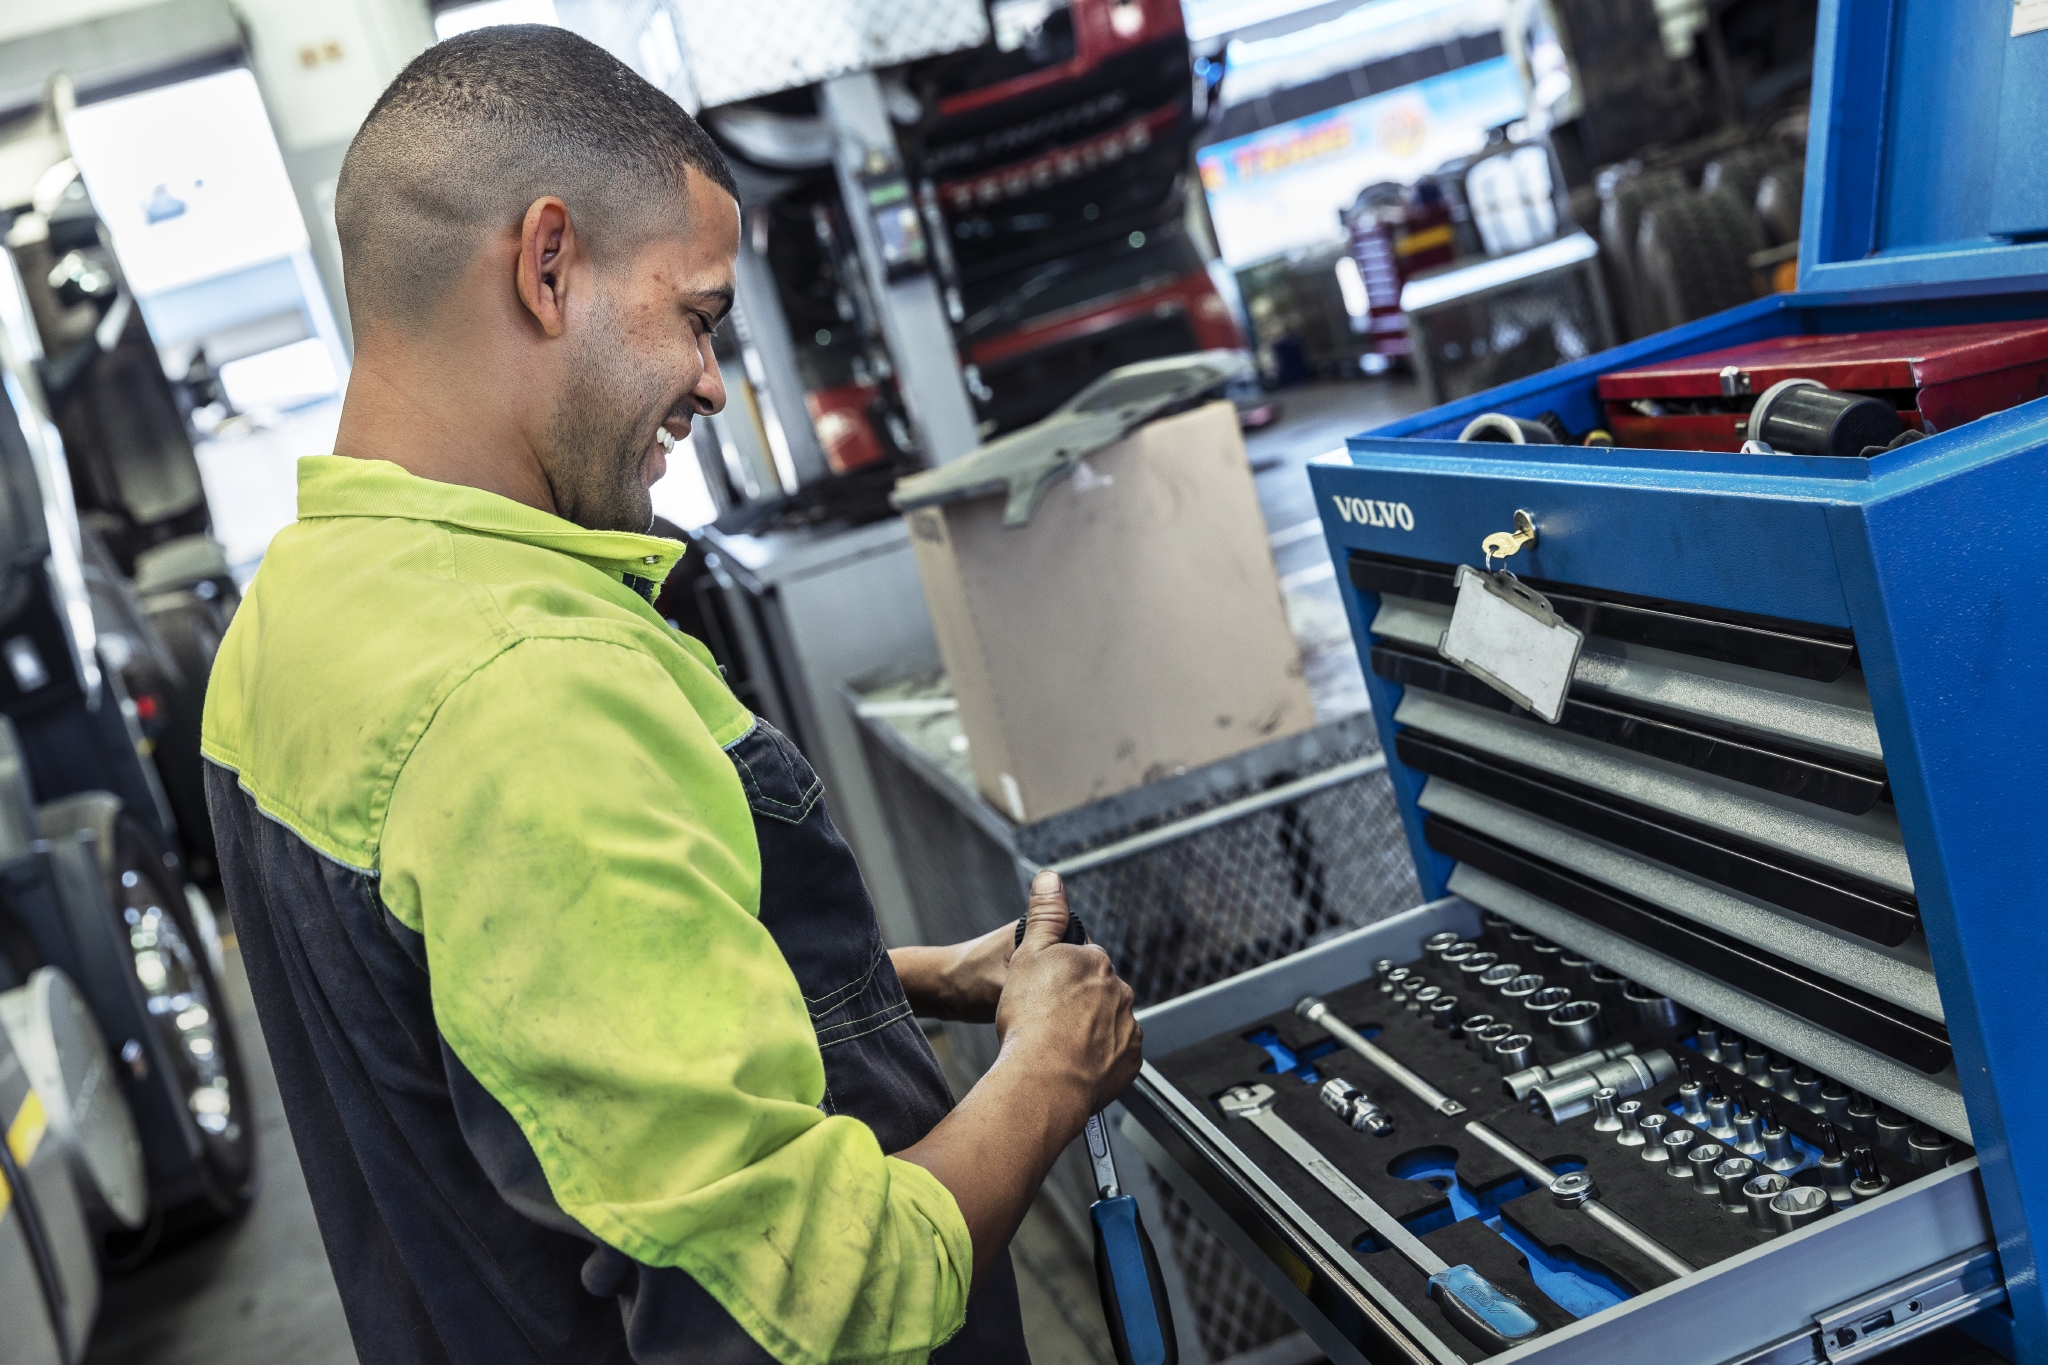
(586, 1034)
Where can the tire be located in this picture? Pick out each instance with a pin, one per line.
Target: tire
(1692, 257)
(1621, 214)
(191, 628)
(172, 956)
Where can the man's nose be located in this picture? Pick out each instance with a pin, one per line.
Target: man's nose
(710, 387)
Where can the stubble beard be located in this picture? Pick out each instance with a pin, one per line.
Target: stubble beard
(595, 442)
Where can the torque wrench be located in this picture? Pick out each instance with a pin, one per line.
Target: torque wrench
(1315, 1011)
(1576, 1190)
(1487, 1314)
(1126, 1266)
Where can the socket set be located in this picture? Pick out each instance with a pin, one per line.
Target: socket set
(1510, 1137)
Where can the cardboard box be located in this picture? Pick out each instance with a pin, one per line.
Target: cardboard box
(1135, 628)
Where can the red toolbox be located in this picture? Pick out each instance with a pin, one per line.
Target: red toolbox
(1937, 377)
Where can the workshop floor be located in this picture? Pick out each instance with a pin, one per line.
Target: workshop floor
(260, 1293)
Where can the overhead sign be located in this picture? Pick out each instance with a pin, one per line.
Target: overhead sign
(1281, 189)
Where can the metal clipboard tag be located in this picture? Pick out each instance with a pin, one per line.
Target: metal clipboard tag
(1506, 635)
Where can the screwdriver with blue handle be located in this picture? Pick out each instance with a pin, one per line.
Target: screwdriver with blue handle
(1126, 1266)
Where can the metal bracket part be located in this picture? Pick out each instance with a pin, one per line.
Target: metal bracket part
(1942, 1294)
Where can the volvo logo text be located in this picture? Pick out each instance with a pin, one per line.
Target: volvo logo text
(1371, 512)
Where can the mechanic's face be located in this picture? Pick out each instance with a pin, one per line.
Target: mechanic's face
(644, 369)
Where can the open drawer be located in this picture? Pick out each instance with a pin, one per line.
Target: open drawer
(1865, 1277)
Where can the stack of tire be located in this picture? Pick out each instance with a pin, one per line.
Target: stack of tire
(1677, 249)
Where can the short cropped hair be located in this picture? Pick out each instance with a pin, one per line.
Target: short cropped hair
(478, 127)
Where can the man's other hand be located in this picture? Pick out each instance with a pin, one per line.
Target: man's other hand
(1064, 1007)
(963, 981)
(1070, 1046)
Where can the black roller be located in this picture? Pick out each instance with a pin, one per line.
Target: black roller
(1811, 420)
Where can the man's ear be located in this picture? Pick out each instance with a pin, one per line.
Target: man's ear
(547, 249)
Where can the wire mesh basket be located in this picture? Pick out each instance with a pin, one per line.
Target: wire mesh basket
(1184, 882)
(1474, 327)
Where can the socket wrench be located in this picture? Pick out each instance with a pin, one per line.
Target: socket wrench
(1315, 1011)
(1485, 1313)
(1473, 1026)
(1515, 1051)
(1576, 1024)
(1701, 1158)
(1522, 1082)
(1629, 1074)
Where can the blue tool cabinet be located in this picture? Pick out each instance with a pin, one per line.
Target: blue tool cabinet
(1926, 205)
(1935, 555)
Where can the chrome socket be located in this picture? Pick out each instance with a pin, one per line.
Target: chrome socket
(1628, 1074)
(1576, 1024)
(1630, 1112)
(1677, 1147)
(1779, 1153)
(1834, 1102)
(1605, 1119)
(1701, 1158)
(1730, 1175)
(1869, 1182)
(1521, 1083)
(1793, 1208)
(1436, 943)
(1781, 1072)
(1895, 1133)
(1473, 1026)
(1547, 953)
(1495, 924)
(1521, 988)
(1806, 1090)
(1653, 1010)
(1491, 1036)
(1422, 998)
(1707, 1038)
(1454, 955)
(1391, 979)
(1692, 1099)
(1652, 1125)
(1547, 1002)
(1756, 1061)
(1749, 1133)
(1476, 963)
(1930, 1148)
(1443, 1012)
(1758, 1192)
(1862, 1116)
(1515, 1051)
(1499, 974)
(1729, 1053)
(1719, 1110)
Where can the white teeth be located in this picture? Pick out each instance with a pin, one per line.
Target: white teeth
(668, 442)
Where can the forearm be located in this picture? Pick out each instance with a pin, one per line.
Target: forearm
(996, 1147)
(926, 975)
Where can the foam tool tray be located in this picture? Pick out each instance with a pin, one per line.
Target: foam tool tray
(1470, 1204)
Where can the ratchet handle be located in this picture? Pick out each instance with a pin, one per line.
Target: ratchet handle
(1486, 1314)
(1077, 932)
(1133, 1291)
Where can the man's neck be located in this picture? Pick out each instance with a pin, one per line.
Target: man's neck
(414, 410)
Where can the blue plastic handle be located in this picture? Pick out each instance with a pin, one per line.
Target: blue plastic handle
(1133, 1294)
(1482, 1310)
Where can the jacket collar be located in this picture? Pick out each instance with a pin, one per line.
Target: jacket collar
(339, 486)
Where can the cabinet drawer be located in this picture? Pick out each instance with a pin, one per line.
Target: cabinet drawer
(1766, 1302)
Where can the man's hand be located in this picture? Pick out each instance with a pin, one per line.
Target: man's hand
(1070, 1046)
(1064, 1005)
(961, 982)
